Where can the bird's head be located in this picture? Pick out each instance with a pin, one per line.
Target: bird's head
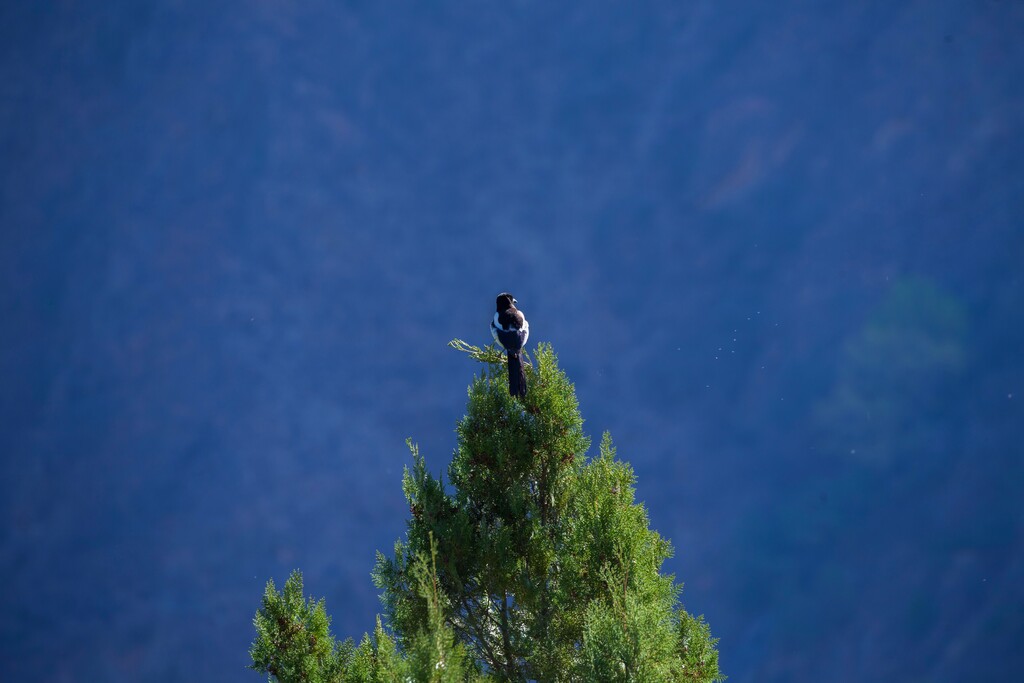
(505, 301)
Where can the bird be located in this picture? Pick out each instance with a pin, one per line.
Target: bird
(511, 330)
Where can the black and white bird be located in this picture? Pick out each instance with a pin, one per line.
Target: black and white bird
(510, 329)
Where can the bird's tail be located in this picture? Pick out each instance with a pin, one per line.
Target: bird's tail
(516, 375)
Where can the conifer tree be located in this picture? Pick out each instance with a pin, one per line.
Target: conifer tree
(532, 564)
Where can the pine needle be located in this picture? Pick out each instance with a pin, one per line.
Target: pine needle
(488, 354)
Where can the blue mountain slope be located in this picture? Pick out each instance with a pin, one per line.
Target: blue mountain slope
(236, 238)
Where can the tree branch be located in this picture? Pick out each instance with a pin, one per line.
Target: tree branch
(488, 354)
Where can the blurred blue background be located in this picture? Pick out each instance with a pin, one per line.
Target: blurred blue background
(777, 246)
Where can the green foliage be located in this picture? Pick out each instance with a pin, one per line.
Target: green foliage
(376, 660)
(893, 373)
(435, 652)
(547, 568)
(293, 642)
(696, 649)
(613, 568)
(536, 564)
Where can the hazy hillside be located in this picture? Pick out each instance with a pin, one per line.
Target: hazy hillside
(777, 247)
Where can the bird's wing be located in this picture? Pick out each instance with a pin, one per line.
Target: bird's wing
(510, 329)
